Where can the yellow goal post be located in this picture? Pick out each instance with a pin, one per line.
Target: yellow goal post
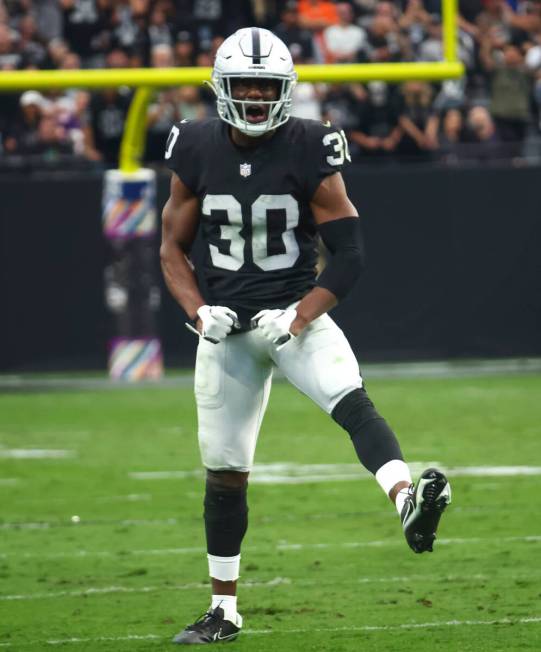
(147, 79)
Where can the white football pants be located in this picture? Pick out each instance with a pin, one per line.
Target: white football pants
(233, 382)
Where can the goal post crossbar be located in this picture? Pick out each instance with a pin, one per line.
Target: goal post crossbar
(161, 77)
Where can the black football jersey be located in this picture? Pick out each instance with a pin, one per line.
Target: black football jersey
(256, 223)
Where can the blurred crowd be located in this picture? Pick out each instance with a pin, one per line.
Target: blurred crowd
(490, 114)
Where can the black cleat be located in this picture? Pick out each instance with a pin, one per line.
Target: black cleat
(423, 509)
(210, 628)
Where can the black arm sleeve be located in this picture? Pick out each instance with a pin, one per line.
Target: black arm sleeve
(343, 239)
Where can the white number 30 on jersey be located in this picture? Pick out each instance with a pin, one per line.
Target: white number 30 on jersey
(340, 146)
(261, 226)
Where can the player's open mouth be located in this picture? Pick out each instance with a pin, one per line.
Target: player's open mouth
(256, 113)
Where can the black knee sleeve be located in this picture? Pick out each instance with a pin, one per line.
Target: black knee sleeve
(226, 519)
(374, 441)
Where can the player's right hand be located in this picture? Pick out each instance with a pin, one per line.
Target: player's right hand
(216, 322)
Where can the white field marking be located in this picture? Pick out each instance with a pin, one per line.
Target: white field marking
(283, 546)
(44, 525)
(131, 498)
(528, 620)
(25, 526)
(8, 482)
(99, 639)
(392, 542)
(378, 628)
(60, 500)
(35, 453)
(105, 590)
(171, 430)
(43, 434)
(249, 584)
(290, 473)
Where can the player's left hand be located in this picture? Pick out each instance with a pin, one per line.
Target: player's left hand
(275, 324)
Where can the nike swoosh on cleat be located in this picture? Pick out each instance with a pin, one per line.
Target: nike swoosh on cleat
(218, 636)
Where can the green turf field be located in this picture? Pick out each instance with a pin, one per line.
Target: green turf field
(324, 567)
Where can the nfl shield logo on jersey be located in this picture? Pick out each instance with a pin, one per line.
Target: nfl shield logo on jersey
(245, 169)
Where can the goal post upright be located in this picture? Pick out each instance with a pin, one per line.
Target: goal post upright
(450, 30)
(129, 195)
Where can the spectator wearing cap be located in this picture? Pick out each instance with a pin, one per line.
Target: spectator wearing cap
(23, 130)
(342, 42)
(293, 35)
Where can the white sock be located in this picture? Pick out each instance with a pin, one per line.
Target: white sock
(390, 474)
(401, 499)
(228, 603)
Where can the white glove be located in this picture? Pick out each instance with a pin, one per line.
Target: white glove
(216, 323)
(274, 324)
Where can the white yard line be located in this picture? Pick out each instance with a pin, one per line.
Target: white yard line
(380, 628)
(104, 590)
(35, 453)
(528, 620)
(99, 639)
(291, 473)
(131, 498)
(250, 584)
(285, 547)
(44, 525)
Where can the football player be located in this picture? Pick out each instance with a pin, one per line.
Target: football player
(263, 187)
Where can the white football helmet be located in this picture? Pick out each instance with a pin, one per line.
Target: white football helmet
(253, 52)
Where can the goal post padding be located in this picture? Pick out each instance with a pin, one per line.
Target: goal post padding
(132, 291)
